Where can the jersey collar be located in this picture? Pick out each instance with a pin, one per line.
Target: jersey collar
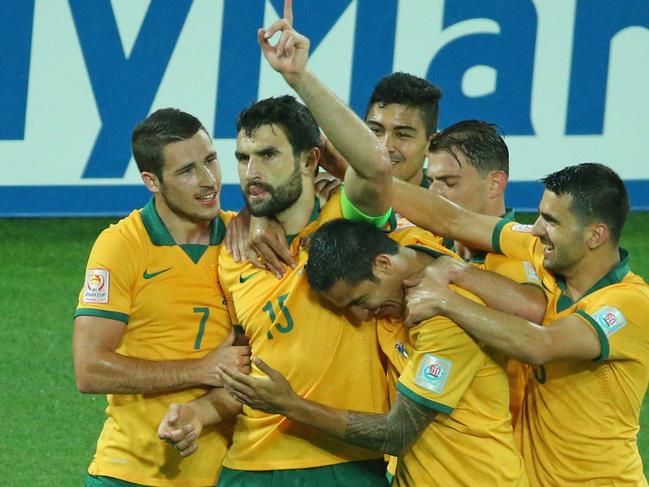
(614, 276)
(159, 234)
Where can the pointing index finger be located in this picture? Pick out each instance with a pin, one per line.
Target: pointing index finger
(288, 11)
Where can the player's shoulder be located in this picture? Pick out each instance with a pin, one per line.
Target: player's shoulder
(330, 210)
(439, 331)
(129, 231)
(416, 236)
(632, 291)
(614, 305)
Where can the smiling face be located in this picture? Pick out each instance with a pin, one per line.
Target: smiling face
(561, 232)
(452, 176)
(191, 178)
(403, 132)
(269, 173)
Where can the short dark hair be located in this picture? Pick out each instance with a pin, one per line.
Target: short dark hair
(162, 127)
(412, 91)
(345, 250)
(598, 194)
(295, 119)
(479, 141)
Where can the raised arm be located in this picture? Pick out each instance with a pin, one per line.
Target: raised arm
(442, 217)
(368, 182)
(100, 369)
(392, 433)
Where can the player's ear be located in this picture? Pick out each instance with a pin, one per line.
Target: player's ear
(497, 181)
(151, 181)
(596, 235)
(311, 161)
(382, 265)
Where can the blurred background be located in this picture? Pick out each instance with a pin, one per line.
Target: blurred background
(566, 80)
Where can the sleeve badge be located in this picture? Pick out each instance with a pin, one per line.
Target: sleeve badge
(610, 320)
(96, 286)
(433, 372)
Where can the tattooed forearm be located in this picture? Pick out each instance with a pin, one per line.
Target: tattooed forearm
(392, 433)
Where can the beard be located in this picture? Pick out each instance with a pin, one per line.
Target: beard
(280, 197)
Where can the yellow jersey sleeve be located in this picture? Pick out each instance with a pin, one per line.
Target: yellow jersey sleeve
(521, 271)
(514, 240)
(443, 364)
(618, 316)
(111, 272)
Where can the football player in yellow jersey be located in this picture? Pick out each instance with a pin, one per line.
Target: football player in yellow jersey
(151, 314)
(450, 423)
(277, 153)
(591, 366)
(468, 163)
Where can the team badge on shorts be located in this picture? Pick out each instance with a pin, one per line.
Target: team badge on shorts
(95, 289)
(433, 372)
(610, 319)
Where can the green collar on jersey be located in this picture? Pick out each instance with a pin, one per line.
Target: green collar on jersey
(314, 215)
(160, 235)
(614, 276)
(427, 250)
(480, 256)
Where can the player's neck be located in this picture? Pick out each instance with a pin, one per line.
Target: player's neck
(294, 218)
(589, 270)
(182, 230)
(412, 262)
(416, 178)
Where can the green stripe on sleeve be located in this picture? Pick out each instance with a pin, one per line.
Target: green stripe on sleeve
(111, 315)
(351, 212)
(603, 339)
(422, 401)
(495, 237)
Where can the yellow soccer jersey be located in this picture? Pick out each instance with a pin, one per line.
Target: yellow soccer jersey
(324, 357)
(448, 371)
(520, 271)
(172, 307)
(580, 419)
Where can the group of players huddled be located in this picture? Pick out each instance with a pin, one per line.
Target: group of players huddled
(380, 323)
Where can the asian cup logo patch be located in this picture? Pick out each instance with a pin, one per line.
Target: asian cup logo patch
(521, 228)
(610, 319)
(95, 289)
(530, 273)
(433, 372)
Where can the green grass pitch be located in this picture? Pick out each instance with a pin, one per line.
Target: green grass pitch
(49, 429)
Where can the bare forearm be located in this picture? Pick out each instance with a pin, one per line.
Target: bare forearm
(503, 294)
(351, 137)
(390, 433)
(215, 406)
(442, 217)
(514, 336)
(112, 373)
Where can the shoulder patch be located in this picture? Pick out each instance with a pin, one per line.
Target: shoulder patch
(96, 287)
(433, 372)
(530, 273)
(609, 319)
(519, 227)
